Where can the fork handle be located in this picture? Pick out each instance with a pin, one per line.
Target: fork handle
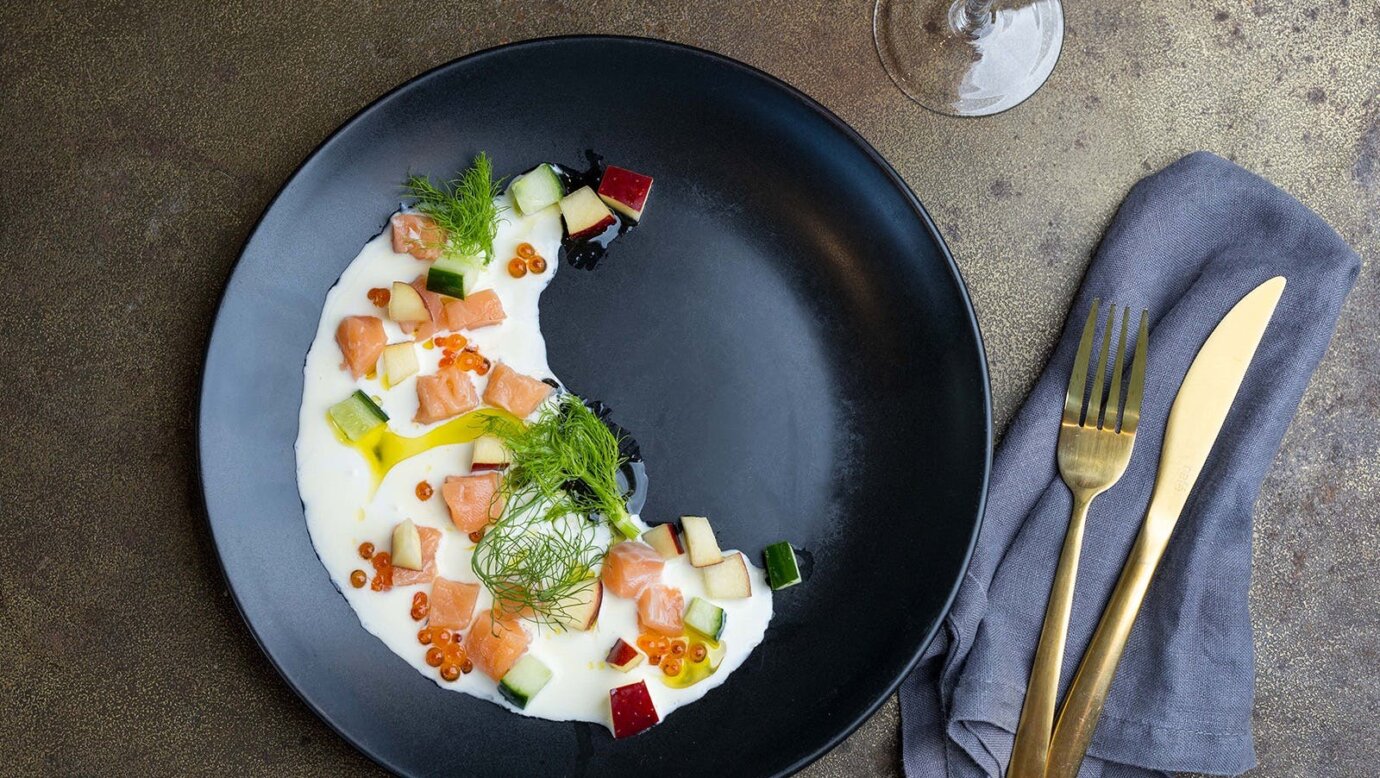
(1033, 733)
(1088, 692)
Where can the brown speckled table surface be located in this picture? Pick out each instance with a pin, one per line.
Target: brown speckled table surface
(140, 142)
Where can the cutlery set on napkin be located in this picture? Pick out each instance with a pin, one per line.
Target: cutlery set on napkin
(1181, 421)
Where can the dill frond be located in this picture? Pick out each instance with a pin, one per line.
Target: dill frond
(464, 207)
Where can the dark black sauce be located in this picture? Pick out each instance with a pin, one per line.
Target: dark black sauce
(585, 253)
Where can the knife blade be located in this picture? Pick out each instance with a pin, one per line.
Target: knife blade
(1195, 420)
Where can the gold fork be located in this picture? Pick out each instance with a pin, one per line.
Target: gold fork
(1095, 442)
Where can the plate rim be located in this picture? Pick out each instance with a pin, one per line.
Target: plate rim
(815, 106)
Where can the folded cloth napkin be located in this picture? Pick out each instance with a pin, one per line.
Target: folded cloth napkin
(1188, 243)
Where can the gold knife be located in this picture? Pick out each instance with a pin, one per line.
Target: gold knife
(1196, 417)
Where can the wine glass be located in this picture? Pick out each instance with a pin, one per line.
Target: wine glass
(968, 57)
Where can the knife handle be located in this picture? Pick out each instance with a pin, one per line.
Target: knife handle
(1086, 695)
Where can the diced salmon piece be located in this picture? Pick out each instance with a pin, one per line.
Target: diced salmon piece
(514, 392)
(361, 340)
(659, 609)
(630, 567)
(448, 393)
(432, 301)
(417, 235)
(473, 500)
(495, 643)
(451, 603)
(480, 309)
(431, 540)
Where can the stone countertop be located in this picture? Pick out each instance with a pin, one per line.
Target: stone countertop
(142, 140)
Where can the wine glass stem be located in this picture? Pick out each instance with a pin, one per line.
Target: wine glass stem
(970, 16)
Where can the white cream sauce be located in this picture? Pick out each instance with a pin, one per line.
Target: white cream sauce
(334, 481)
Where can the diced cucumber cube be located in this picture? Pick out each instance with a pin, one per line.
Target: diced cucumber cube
(524, 680)
(706, 618)
(357, 415)
(782, 569)
(536, 189)
(451, 277)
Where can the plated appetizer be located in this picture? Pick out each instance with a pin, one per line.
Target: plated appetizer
(471, 509)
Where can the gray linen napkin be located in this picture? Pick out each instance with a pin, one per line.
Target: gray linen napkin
(1187, 244)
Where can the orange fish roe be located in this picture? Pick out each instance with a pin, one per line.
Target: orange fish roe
(447, 652)
(447, 361)
(467, 667)
(366, 550)
(526, 250)
(698, 652)
(517, 268)
(484, 366)
(383, 569)
(537, 265)
(469, 360)
(670, 666)
(420, 606)
(358, 579)
(454, 342)
(476, 536)
(380, 296)
(424, 491)
(678, 648)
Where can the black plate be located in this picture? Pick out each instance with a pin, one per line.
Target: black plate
(785, 334)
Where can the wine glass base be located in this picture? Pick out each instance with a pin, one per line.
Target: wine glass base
(951, 72)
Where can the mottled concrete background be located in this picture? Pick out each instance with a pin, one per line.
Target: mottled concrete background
(139, 144)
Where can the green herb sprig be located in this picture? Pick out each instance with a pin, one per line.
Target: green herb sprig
(539, 559)
(464, 208)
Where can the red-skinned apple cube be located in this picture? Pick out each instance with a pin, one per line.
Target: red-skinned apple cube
(489, 454)
(625, 191)
(585, 214)
(665, 540)
(581, 614)
(632, 709)
(623, 657)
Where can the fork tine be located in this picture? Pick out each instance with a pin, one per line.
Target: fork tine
(1073, 401)
(1095, 406)
(1112, 410)
(1131, 417)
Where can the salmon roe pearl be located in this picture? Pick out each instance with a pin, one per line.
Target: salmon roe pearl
(468, 360)
(484, 365)
(381, 560)
(424, 490)
(366, 550)
(450, 672)
(424, 636)
(419, 598)
(443, 637)
(517, 268)
(358, 579)
(678, 648)
(377, 584)
(670, 665)
(537, 265)
(526, 250)
(476, 536)
(434, 656)
(466, 667)
(379, 296)
(698, 652)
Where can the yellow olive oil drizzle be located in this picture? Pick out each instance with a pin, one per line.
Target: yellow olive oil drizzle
(383, 448)
(692, 672)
